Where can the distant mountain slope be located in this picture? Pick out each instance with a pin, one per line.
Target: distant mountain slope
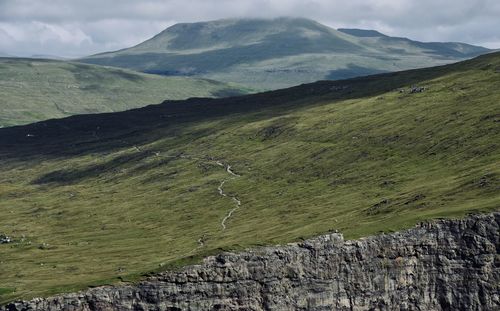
(48, 56)
(270, 54)
(95, 199)
(34, 90)
(388, 44)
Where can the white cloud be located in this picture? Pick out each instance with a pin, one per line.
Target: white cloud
(67, 34)
(42, 38)
(6, 41)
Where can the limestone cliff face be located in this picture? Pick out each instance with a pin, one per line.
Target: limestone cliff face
(440, 265)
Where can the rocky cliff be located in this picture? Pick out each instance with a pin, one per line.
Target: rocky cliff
(439, 265)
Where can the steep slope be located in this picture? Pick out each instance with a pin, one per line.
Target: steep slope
(270, 54)
(34, 90)
(95, 199)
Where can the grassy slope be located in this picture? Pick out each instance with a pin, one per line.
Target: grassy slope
(277, 53)
(354, 155)
(34, 90)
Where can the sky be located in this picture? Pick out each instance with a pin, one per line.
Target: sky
(74, 28)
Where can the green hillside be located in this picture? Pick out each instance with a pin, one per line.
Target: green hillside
(34, 89)
(276, 53)
(96, 199)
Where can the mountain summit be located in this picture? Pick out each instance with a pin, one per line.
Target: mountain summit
(274, 53)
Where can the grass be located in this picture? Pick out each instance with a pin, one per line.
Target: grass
(35, 90)
(275, 53)
(88, 202)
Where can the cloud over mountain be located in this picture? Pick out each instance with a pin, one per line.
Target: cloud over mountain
(76, 28)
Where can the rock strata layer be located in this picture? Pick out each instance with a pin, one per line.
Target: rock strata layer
(438, 265)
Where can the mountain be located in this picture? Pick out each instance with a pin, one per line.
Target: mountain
(34, 90)
(96, 199)
(276, 53)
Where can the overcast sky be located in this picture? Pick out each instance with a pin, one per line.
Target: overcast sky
(74, 28)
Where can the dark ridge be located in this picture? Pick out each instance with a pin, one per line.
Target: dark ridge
(86, 133)
(361, 32)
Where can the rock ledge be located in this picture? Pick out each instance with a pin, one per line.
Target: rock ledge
(438, 265)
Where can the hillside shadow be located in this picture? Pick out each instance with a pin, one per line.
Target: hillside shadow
(74, 175)
(352, 71)
(84, 134)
